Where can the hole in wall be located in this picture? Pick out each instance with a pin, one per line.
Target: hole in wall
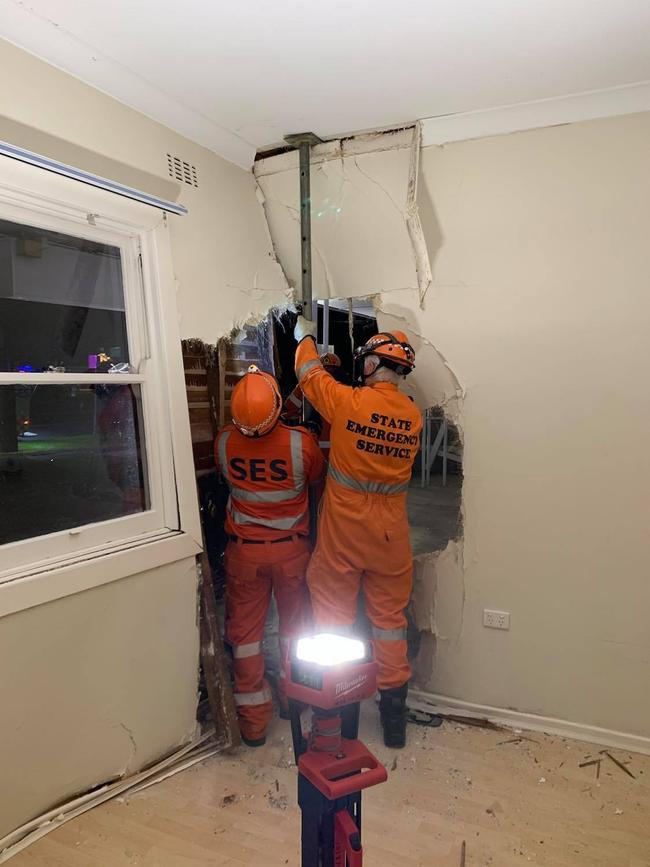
(436, 488)
(434, 497)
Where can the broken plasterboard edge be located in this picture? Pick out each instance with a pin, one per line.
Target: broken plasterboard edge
(336, 149)
(259, 195)
(413, 224)
(435, 572)
(533, 722)
(375, 178)
(255, 315)
(454, 400)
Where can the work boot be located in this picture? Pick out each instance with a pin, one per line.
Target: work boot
(392, 709)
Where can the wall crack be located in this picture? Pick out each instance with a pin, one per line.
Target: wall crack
(132, 746)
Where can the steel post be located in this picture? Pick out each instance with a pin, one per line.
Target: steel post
(304, 141)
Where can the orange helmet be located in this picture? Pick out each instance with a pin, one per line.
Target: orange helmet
(393, 350)
(329, 360)
(255, 403)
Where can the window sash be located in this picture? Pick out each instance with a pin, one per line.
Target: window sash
(72, 379)
(18, 558)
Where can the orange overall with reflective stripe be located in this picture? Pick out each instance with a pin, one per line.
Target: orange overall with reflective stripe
(268, 552)
(363, 532)
(292, 409)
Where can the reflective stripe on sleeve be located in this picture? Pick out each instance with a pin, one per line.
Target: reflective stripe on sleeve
(324, 444)
(295, 439)
(274, 523)
(389, 634)
(366, 487)
(243, 651)
(253, 698)
(223, 459)
(304, 369)
(295, 400)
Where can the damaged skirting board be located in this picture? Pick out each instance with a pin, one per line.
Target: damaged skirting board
(199, 750)
(532, 722)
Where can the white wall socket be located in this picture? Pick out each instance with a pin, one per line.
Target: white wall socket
(496, 619)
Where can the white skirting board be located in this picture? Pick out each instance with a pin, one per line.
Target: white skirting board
(532, 722)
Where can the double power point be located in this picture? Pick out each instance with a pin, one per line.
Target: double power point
(496, 619)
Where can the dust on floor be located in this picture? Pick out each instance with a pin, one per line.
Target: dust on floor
(514, 797)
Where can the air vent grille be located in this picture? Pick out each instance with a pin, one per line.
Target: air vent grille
(182, 171)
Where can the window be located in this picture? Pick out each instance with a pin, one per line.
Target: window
(71, 455)
(80, 455)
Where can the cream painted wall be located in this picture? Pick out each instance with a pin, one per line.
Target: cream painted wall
(533, 333)
(223, 258)
(95, 686)
(540, 304)
(99, 684)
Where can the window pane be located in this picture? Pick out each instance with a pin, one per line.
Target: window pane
(61, 302)
(69, 455)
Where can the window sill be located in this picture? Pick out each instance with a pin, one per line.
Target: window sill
(65, 578)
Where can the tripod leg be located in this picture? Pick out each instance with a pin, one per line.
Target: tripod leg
(310, 840)
(311, 803)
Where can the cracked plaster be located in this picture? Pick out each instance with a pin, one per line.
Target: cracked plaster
(366, 232)
(368, 241)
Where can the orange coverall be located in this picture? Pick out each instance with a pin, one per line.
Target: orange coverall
(267, 521)
(292, 409)
(363, 531)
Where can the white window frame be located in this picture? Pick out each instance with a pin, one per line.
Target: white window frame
(32, 196)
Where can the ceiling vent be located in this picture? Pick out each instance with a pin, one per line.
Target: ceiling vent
(182, 171)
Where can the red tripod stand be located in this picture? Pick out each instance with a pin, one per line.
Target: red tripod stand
(333, 765)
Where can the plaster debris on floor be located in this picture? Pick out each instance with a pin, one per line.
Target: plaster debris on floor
(456, 792)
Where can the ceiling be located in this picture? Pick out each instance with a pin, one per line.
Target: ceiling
(237, 76)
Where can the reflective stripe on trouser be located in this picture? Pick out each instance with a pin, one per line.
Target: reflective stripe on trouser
(252, 699)
(363, 543)
(253, 573)
(243, 651)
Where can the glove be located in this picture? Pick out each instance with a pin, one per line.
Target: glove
(304, 328)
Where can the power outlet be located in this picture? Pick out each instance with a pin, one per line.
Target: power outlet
(496, 619)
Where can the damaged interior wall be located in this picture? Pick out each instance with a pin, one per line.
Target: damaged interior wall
(79, 674)
(103, 683)
(366, 233)
(538, 244)
(533, 335)
(350, 178)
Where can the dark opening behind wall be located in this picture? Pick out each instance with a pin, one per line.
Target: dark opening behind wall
(363, 328)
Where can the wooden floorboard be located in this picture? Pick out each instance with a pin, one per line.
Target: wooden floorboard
(514, 803)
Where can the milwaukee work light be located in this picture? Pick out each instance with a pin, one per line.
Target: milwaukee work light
(332, 674)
